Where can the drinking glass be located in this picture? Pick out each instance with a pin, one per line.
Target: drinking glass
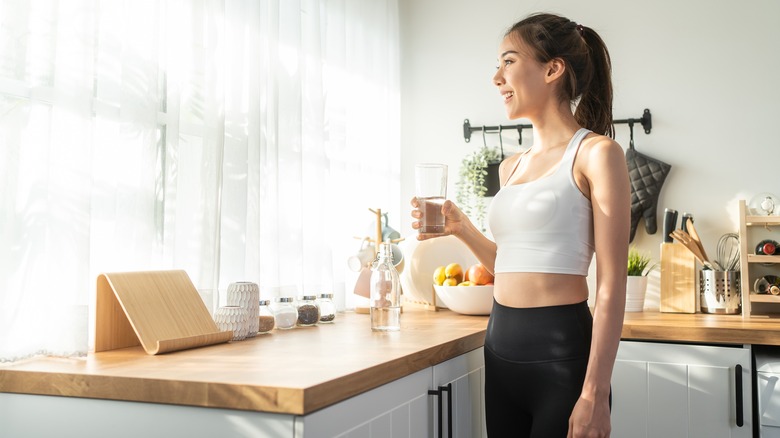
(431, 191)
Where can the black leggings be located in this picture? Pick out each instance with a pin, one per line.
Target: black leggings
(535, 362)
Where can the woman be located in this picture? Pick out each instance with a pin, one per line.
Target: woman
(548, 359)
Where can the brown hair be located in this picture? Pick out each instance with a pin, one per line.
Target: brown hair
(588, 74)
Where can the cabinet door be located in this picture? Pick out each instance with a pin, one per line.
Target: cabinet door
(466, 374)
(35, 416)
(400, 409)
(673, 390)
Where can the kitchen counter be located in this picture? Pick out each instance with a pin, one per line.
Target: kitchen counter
(295, 371)
(701, 328)
(305, 369)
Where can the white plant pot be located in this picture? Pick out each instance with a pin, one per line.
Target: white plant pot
(636, 287)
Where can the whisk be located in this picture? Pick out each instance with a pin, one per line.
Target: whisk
(728, 252)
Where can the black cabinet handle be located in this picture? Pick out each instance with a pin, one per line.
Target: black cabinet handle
(437, 393)
(447, 388)
(739, 401)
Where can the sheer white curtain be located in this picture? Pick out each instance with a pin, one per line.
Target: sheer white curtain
(234, 139)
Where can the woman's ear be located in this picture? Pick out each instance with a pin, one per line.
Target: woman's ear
(555, 69)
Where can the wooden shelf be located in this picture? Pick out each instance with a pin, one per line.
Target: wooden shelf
(748, 261)
(761, 258)
(764, 298)
(762, 220)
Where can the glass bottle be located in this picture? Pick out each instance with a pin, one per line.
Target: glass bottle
(308, 312)
(285, 313)
(266, 320)
(327, 308)
(385, 287)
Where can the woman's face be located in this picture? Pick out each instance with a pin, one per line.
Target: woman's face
(520, 80)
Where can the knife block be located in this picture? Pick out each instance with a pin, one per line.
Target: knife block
(678, 279)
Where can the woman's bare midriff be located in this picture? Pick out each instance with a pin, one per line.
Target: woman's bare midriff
(526, 289)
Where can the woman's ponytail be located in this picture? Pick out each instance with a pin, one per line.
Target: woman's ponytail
(594, 110)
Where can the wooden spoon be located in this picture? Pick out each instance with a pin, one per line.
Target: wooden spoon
(689, 243)
(695, 236)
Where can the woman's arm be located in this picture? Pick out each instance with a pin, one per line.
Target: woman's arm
(456, 223)
(604, 169)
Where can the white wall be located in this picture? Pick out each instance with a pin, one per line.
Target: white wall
(707, 70)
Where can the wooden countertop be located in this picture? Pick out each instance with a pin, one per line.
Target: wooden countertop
(294, 371)
(305, 369)
(701, 328)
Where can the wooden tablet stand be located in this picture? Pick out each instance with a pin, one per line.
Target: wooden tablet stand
(160, 310)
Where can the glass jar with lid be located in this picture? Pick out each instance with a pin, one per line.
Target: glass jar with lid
(285, 313)
(266, 320)
(308, 312)
(327, 308)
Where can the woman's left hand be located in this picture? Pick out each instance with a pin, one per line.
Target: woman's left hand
(590, 419)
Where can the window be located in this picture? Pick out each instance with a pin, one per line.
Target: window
(240, 140)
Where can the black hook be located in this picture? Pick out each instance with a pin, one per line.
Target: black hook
(647, 121)
(631, 133)
(484, 140)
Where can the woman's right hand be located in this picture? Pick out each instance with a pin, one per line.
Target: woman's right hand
(454, 220)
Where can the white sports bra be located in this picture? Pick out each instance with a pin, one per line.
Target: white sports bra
(545, 225)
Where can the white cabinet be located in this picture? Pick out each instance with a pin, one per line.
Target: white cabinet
(466, 376)
(405, 408)
(34, 416)
(400, 409)
(673, 390)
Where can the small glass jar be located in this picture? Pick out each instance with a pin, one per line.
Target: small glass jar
(327, 308)
(285, 314)
(308, 312)
(266, 320)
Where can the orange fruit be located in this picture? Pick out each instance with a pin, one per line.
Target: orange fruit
(454, 270)
(438, 276)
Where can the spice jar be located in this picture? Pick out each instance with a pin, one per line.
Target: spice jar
(266, 320)
(308, 312)
(285, 314)
(327, 308)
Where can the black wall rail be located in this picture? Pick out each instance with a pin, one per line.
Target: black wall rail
(646, 121)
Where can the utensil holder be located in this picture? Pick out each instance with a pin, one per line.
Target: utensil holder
(235, 319)
(720, 292)
(247, 295)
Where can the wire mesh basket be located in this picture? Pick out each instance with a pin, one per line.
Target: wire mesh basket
(720, 292)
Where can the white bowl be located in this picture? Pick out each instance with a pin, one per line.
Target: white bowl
(422, 259)
(468, 300)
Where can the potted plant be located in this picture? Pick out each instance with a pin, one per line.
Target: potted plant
(478, 178)
(636, 282)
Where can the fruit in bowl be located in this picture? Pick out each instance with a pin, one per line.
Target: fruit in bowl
(478, 275)
(469, 293)
(453, 275)
(467, 300)
(450, 275)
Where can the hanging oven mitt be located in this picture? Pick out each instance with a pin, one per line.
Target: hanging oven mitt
(647, 175)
